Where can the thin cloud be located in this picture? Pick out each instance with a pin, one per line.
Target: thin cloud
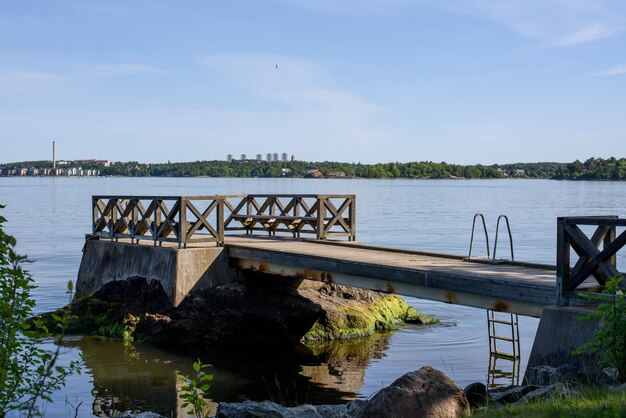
(27, 76)
(555, 23)
(300, 91)
(18, 80)
(587, 34)
(296, 82)
(120, 70)
(617, 70)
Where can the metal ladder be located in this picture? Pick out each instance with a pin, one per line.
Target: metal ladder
(497, 322)
(495, 325)
(495, 245)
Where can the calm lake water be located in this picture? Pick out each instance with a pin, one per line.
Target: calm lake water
(49, 217)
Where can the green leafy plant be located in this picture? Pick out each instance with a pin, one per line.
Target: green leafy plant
(29, 374)
(193, 390)
(610, 340)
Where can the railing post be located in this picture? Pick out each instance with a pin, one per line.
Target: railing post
(94, 213)
(321, 217)
(182, 222)
(352, 218)
(220, 221)
(113, 218)
(562, 263)
(157, 220)
(134, 218)
(608, 239)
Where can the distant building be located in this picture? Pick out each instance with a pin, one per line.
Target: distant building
(229, 157)
(293, 158)
(275, 156)
(259, 157)
(244, 157)
(284, 157)
(315, 174)
(269, 157)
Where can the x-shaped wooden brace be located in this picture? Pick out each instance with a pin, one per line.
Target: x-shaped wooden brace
(593, 261)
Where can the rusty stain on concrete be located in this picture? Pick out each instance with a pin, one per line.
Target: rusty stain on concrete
(501, 306)
(390, 288)
(451, 297)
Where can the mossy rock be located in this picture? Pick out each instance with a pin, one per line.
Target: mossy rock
(352, 313)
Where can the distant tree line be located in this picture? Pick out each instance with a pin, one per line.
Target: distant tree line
(591, 169)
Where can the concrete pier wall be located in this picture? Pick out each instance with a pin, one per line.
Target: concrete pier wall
(560, 331)
(179, 270)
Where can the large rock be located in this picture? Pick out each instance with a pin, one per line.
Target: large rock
(236, 314)
(426, 393)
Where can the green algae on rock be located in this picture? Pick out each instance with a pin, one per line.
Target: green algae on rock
(351, 313)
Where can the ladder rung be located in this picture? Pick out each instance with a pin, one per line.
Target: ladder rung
(505, 356)
(498, 337)
(500, 321)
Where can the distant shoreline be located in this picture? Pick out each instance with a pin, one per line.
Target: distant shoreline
(610, 169)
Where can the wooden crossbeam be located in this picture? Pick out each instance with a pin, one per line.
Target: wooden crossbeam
(337, 215)
(202, 219)
(600, 233)
(597, 262)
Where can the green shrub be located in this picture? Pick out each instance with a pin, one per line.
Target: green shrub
(610, 340)
(28, 373)
(192, 391)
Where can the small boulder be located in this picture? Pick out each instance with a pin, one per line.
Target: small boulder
(425, 393)
(548, 375)
(512, 394)
(547, 392)
(139, 415)
(476, 394)
(250, 409)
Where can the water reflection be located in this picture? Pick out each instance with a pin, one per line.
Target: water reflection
(141, 377)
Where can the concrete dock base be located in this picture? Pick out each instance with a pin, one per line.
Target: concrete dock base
(179, 270)
(561, 330)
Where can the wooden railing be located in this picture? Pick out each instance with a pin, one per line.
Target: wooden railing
(193, 219)
(179, 219)
(324, 216)
(592, 261)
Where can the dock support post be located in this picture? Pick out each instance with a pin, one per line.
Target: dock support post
(562, 263)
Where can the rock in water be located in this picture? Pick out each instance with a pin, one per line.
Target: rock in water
(425, 393)
(476, 394)
(349, 312)
(238, 314)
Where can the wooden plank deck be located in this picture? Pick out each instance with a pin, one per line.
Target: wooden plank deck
(513, 287)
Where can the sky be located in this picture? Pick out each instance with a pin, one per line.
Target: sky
(461, 81)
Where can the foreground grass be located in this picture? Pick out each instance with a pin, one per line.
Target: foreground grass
(594, 402)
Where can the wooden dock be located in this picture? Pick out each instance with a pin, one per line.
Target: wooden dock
(283, 220)
(512, 287)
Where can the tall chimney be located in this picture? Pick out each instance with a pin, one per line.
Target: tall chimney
(54, 155)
